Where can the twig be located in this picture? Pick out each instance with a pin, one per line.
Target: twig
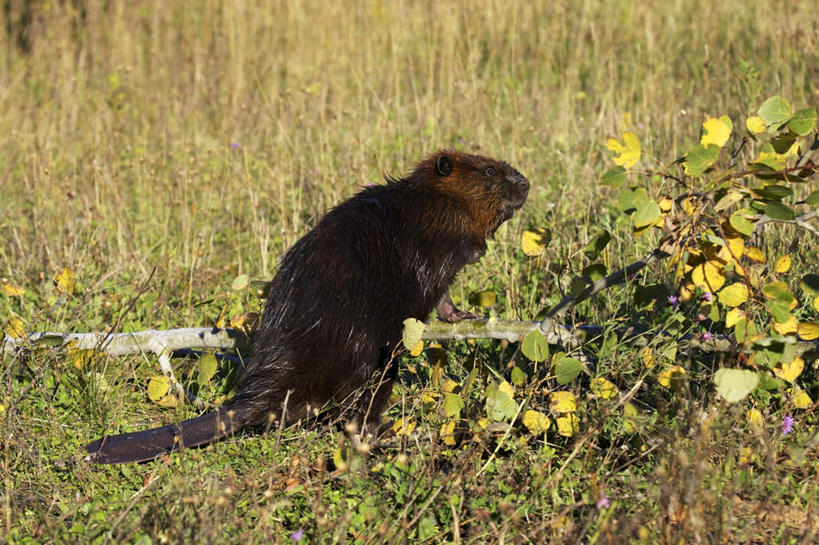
(800, 221)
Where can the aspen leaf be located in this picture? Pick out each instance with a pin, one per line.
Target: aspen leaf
(12, 289)
(535, 421)
(499, 403)
(799, 398)
(717, 131)
(728, 200)
(614, 176)
(484, 298)
(774, 111)
(816, 304)
(562, 402)
(803, 122)
(630, 421)
(739, 222)
(787, 326)
(158, 386)
(699, 158)
(415, 352)
(533, 242)
(783, 264)
(808, 330)
(647, 213)
(15, 328)
(413, 330)
(567, 370)
(168, 401)
(649, 360)
(733, 316)
(672, 374)
(603, 388)
(403, 426)
(240, 282)
(207, 368)
(733, 295)
(754, 418)
(449, 386)
(709, 275)
(597, 244)
(567, 425)
(628, 151)
(735, 384)
(453, 404)
(810, 284)
(535, 347)
(64, 281)
(755, 125)
(508, 388)
(448, 432)
(790, 371)
(755, 254)
(429, 397)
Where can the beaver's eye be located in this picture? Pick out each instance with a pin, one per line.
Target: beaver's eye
(490, 171)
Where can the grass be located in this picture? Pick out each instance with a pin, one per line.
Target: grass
(203, 139)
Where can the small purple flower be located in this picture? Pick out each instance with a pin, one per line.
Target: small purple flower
(235, 145)
(707, 296)
(603, 502)
(787, 424)
(707, 336)
(674, 300)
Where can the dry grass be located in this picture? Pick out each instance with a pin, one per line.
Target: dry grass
(204, 138)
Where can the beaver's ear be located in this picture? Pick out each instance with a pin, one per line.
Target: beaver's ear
(444, 165)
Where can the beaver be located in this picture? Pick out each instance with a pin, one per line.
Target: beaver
(334, 315)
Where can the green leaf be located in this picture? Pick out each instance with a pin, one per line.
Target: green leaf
(567, 370)
(535, 347)
(741, 224)
(810, 284)
(735, 384)
(595, 271)
(609, 342)
(775, 111)
(647, 213)
(499, 404)
(614, 176)
(778, 211)
(453, 404)
(813, 198)
(240, 282)
(413, 330)
(699, 158)
(629, 199)
(207, 368)
(597, 244)
(518, 376)
(803, 121)
(485, 298)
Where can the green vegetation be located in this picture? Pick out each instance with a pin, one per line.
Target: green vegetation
(199, 141)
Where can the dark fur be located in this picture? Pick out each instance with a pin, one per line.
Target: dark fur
(334, 315)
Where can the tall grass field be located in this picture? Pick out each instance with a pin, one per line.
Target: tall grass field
(151, 152)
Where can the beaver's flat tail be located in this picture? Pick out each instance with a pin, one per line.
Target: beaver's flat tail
(146, 445)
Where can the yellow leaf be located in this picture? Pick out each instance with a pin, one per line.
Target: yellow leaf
(734, 249)
(755, 124)
(799, 398)
(665, 205)
(483, 423)
(448, 432)
(562, 402)
(535, 421)
(630, 422)
(64, 281)
(603, 388)
(15, 329)
(733, 316)
(673, 373)
(403, 426)
(816, 304)
(648, 357)
(733, 295)
(710, 276)
(508, 388)
(790, 371)
(533, 242)
(746, 455)
(783, 264)
(808, 330)
(11, 289)
(717, 132)
(428, 397)
(786, 327)
(689, 206)
(157, 387)
(628, 152)
(755, 254)
(449, 386)
(687, 292)
(415, 352)
(168, 401)
(567, 425)
(754, 419)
